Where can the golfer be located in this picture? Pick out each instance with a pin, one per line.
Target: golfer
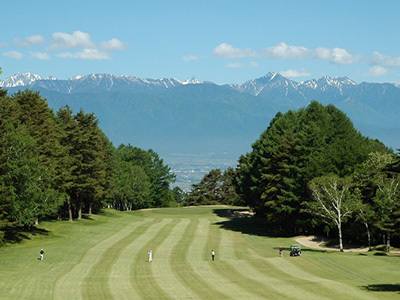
(41, 254)
(150, 256)
(280, 251)
(213, 254)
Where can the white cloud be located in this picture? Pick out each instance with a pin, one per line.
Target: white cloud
(228, 51)
(13, 54)
(35, 39)
(77, 39)
(285, 51)
(29, 41)
(113, 45)
(234, 65)
(295, 73)
(337, 56)
(40, 55)
(190, 57)
(86, 54)
(18, 43)
(385, 60)
(254, 64)
(377, 71)
(282, 50)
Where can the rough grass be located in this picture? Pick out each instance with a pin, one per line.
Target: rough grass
(105, 257)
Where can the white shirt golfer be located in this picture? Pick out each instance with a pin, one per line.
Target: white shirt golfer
(150, 256)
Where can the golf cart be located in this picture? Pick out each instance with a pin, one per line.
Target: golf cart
(295, 250)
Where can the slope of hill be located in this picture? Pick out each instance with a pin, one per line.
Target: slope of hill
(173, 116)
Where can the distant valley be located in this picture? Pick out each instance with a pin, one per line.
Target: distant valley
(192, 118)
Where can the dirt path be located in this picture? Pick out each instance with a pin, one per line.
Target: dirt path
(315, 242)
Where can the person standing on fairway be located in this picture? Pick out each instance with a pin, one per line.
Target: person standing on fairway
(213, 254)
(280, 251)
(41, 254)
(150, 256)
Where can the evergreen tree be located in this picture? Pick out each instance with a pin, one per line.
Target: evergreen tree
(39, 121)
(87, 163)
(179, 195)
(208, 190)
(295, 148)
(90, 172)
(67, 131)
(228, 191)
(214, 188)
(8, 124)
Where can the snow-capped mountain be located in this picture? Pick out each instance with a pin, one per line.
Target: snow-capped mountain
(193, 115)
(93, 82)
(271, 80)
(19, 80)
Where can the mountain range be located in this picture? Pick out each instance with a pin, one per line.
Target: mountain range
(194, 117)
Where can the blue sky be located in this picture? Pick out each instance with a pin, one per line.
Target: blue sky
(223, 41)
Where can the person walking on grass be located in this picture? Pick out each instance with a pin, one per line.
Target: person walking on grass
(280, 251)
(41, 254)
(150, 256)
(213, 254)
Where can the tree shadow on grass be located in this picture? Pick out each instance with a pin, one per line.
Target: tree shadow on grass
(244, 223)
(239, 220)
(383, 288)
(15, 235)
(86, 217)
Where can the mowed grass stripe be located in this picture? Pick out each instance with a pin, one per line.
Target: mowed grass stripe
(265, 273)
(168, 276)
(199, 257)
(121, 272)
(236, 246)
(325, 287)
(143, 280)
(247, 265)
(70, 285)
(199, 244)
(284, 282)
(95, 285)
(57, 262)
(226, 269)
(186, 272)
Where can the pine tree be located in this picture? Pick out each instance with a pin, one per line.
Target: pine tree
(295, 148)
(39, 121)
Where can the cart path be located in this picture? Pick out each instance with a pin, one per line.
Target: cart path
(315, 242)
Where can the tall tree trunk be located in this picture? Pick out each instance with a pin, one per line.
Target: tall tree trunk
(90, 208)
(80, 210)
(388, 242)
(340, 236)
(70, 211)
(369, 236)
(37, 220)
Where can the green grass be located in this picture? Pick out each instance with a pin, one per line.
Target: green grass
(105, 257)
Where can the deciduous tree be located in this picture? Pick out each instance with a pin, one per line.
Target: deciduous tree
(333, 202)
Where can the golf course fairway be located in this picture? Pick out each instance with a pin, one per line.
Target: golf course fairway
(105, 256)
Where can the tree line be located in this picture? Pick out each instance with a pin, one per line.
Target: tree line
(311, 171)
(60, 165)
